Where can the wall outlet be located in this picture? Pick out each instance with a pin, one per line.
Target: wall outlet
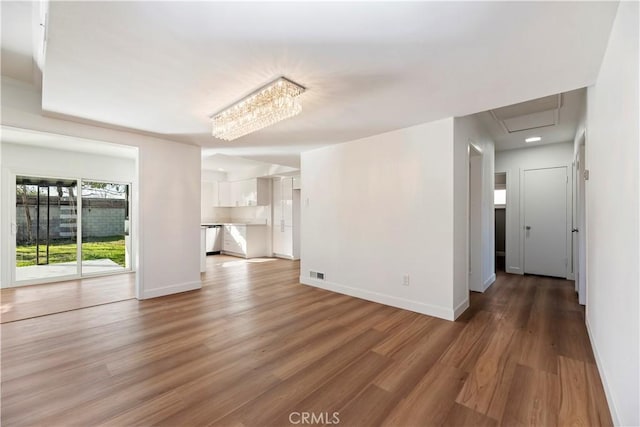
(405, 280)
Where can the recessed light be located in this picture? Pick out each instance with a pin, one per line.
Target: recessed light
(533, 139)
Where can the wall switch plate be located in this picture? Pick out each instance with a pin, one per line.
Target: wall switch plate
(405, 280)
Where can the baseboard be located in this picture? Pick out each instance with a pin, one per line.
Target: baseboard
(488, 282)
(460, 308)
(571, 276)
(289, 257)
(171, 289)
(605, 385)
(428, 309)
(513, 270)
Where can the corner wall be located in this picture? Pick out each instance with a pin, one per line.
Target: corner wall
(612, 215)
(168, 197)
(468, 130)
(379, 208)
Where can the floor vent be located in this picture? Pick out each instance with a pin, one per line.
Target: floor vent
(316, 275)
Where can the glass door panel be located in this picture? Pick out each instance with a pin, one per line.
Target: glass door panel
(46, 228)
(105, 228)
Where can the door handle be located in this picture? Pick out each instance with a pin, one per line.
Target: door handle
(574, 230)
(527, 227)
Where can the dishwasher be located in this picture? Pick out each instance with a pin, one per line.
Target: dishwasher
(213, 239)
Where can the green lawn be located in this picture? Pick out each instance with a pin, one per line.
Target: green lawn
(64, 251)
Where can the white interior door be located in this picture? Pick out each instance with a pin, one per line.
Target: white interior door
(545, 221)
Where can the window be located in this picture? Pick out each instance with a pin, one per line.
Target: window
(500, 197)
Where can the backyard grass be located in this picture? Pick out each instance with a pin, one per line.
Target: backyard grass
(65, 251)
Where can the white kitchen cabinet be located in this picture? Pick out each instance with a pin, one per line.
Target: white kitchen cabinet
(224, 194)
(297, 183)
(247, 241)
(208, 198)
(248, 192)
(283, 217)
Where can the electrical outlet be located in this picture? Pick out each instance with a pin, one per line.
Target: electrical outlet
(405, 280)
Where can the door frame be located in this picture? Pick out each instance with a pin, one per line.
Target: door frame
(475, 158)
(11, 241)
(580, 255)
(568, 216)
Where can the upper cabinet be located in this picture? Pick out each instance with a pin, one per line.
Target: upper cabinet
(249, 192)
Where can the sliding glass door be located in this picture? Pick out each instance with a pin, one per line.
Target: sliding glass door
(106, 244)
(65, 233)
(46, 228)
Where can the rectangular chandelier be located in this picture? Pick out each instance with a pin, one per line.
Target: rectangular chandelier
(268, 105)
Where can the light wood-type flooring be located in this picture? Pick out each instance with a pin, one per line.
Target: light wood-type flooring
(254, 346)
(38, 300)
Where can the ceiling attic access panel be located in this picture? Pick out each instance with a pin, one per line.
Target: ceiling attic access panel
(535, 114)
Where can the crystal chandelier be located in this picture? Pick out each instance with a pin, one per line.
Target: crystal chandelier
(268, 105)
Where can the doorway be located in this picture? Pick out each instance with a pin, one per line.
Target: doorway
(68, 228)
(500, 207)
(475, 219)
(545, 221)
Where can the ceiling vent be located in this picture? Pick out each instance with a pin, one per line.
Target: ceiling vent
(539, 113)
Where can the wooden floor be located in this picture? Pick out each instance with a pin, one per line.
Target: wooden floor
(253, 346)
(38, 300)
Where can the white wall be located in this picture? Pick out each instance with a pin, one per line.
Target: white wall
(376, 209)
(468, 130)
(612, 197)
(514, 163)
(168, 199)
(37, 161)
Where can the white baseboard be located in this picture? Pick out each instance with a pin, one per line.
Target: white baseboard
(171, 289)
(406, 304)
(571, 276)
(605, 384)
(514, 270)
(461, 308)
(488, 282)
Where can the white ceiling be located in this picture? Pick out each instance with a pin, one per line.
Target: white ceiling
(164, 67)
(17, 42)
(573, 104)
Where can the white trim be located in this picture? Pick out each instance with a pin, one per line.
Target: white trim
(418, 307)
(289, 257)
(171, 289)
(571, 276)
(605, 384)
(514, 270)
(460, 308)
(488, 282)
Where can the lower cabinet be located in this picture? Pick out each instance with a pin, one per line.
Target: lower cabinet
(247, 241)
